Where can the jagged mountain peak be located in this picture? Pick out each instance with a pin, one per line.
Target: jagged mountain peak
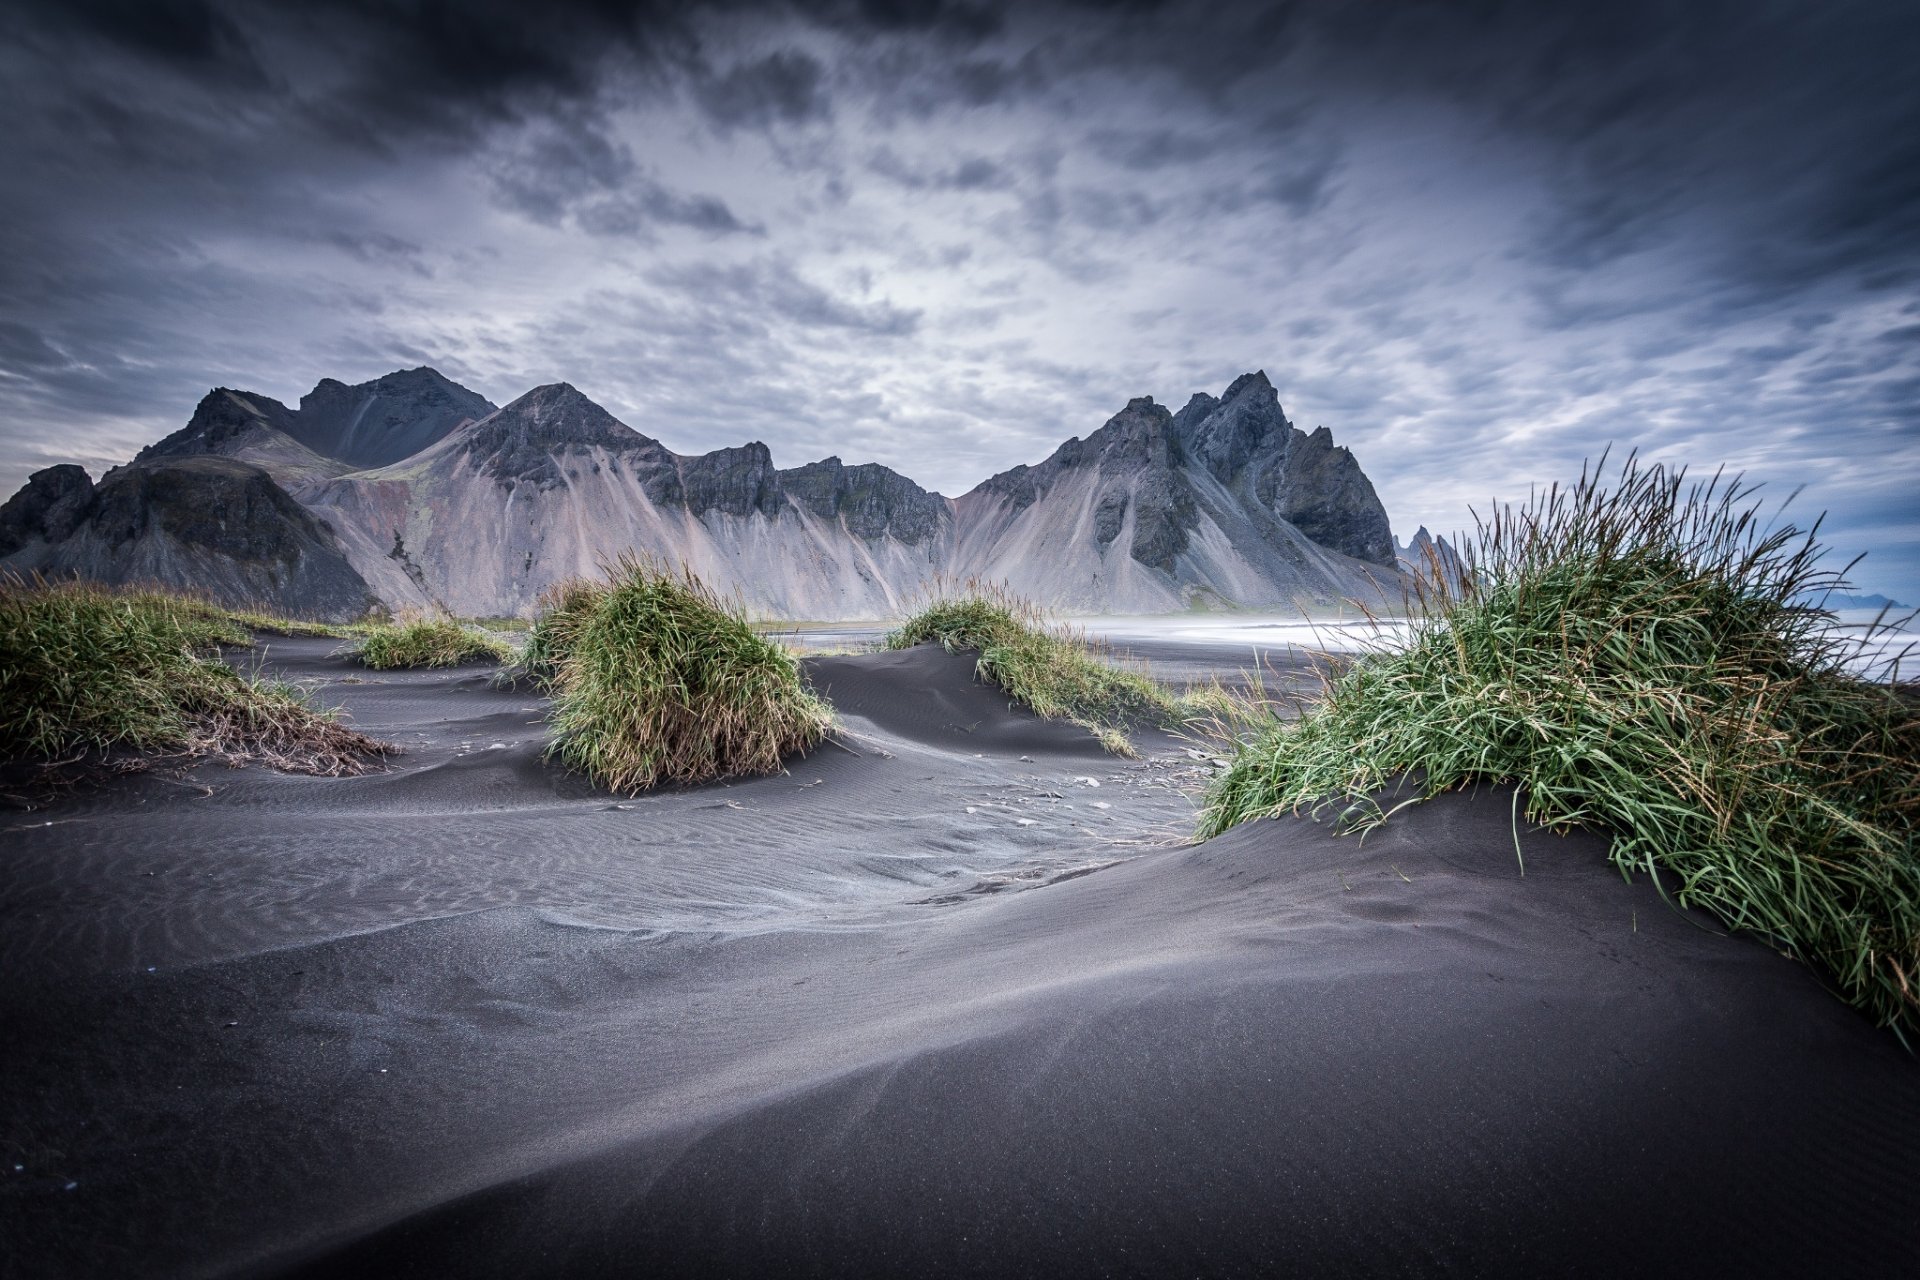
(222, 415)
(1198, 406)
(337, 427)
(1224, 435)
(48, 508)
(1139, 435)
(521, 440)
(1428, 556)
(378, 423)
(1253, 384)
(1170, 482)
(422, 378)
(1136, 437)
(560, 407)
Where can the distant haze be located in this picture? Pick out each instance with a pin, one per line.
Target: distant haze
(1478, 242)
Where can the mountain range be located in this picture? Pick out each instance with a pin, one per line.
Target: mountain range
(412, 491)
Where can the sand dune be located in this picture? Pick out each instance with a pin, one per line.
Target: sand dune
(931, 1003)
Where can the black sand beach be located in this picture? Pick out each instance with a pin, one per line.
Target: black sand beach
(949, 998)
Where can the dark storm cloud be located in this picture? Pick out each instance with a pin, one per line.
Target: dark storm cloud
(548, 173)
(1504, 230)
(1148, 150)
(1797, 130)
(786, 87)
(394, 69)
(964, 22)
(973, 173)
(648, 204)
(572, 170)
(772, 290)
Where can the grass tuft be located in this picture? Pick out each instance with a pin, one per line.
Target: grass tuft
(1054, 672)
(272, 624)
(1637, 656)
(657, 679)
(87, 668)
(563, 609)
(427, 642)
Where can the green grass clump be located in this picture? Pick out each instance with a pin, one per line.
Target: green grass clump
(427, 642)
(272, 624)
(235, 626)
(86, 668)
(501, 622)
(1053, 672)
(564, 608)
(659, 680)
(1637, 657)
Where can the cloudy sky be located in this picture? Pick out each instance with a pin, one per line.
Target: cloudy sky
(1480, 241)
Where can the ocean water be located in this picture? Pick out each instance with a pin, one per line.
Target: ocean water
(1881, 647)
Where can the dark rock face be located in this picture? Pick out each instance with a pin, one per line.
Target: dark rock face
(378, 423)
(47, 509)
(1242, 442)
(371, 425)
(225, 420)
(520, 443)
(1245, 442)
(1018, 486)
(1164, 511)
(874, 500)
(209, 504)
(203, 523)
(1136, 438)
(1110, 515)
(735, 481)
(1326, 496)
(1244, 427)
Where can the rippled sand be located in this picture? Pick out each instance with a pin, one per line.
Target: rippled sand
(950, 997)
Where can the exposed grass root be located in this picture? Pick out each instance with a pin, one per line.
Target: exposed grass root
(89, 669)
(273, 724)
(1638, 657)
(657, 679)
(427, 642)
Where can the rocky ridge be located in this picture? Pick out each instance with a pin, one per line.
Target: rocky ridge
(1224, 502)
(1429, 557)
